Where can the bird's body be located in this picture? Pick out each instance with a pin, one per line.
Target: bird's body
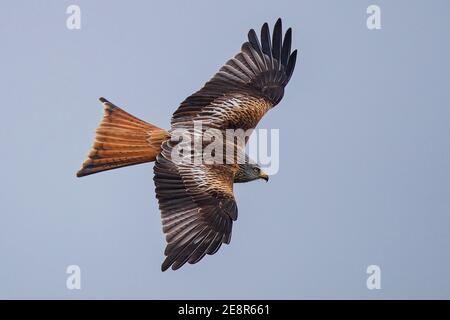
(196, 198)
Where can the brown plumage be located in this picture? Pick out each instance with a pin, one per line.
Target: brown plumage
(196, 200)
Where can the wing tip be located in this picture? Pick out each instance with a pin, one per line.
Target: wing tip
(278, 21)
(167, 263)
(164, 267)
(293, 56)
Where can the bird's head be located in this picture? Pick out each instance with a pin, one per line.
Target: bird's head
(249, 172)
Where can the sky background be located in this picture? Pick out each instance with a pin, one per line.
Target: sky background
(364, 150)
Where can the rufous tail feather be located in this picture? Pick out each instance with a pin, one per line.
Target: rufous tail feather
(122, 140)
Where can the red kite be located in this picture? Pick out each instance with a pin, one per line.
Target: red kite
(196, 200)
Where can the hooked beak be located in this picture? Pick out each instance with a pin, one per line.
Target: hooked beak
(264, 176)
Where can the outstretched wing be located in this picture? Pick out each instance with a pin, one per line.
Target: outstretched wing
(246, 87)
(197, 207)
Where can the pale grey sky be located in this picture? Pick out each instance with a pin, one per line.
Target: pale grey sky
(364, 156)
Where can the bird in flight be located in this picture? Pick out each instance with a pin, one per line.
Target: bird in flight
(196, 199)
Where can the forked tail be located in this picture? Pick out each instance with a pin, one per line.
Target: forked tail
(122, 140)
